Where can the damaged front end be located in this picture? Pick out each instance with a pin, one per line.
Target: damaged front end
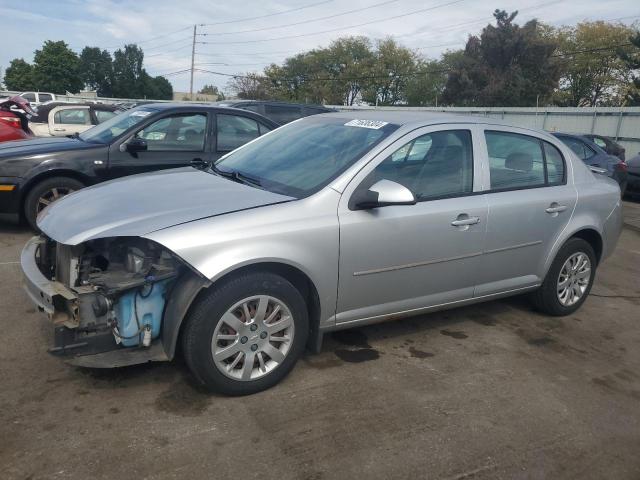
(107, 298)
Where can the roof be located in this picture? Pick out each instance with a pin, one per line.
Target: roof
(413, 118)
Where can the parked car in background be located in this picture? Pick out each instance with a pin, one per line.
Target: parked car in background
(37, 98)
(633, 167)
(608, 144)
(331, 222)
(279, 112)
(37, 172)
(14, 119)
(594, 156)
(58, 119)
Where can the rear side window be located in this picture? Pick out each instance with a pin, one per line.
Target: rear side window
(234, 131)
(555, 164)
(283, 113)
(579, 148)
(29, 97)
(73, 116)
(103, 115)
(520, 161)
(45, 97)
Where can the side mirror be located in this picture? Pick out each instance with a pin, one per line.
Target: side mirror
(384, 193)
(136, 145)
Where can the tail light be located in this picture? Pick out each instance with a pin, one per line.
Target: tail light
(11, 121)
(621, 166)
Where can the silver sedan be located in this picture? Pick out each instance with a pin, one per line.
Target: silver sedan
(330, 222)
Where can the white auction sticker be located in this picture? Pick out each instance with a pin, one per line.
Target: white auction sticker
(140, 113)
(375, 124)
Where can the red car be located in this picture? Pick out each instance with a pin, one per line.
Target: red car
(14, 124)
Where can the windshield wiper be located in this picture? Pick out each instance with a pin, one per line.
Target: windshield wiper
(237, 176)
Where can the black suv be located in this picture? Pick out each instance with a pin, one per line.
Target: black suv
(34, 173)
(279, 112)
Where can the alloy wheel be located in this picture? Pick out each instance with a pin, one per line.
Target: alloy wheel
(252, 338)
(50, 196)
(574, 278)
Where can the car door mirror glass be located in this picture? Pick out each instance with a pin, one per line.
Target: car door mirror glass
(384, 193)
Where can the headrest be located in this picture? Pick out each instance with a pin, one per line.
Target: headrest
(519, 161)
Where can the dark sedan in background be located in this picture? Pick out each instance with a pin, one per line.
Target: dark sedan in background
(633, 187)
(279, 112)
(608, 144)
(37, 172)
(594, 156)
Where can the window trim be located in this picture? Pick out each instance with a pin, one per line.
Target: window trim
(467, 128)
(541, 143)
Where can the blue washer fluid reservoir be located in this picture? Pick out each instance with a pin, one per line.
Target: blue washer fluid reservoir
(148, 301)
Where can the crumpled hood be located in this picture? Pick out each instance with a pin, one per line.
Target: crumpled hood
(140, 204)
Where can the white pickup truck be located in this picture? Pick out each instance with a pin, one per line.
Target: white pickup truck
(57, 119)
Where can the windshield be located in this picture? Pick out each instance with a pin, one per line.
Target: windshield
(301, 158)
(110, 129)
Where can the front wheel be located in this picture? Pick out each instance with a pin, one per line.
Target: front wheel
(45, 193)
(569, 280)
(246, 334)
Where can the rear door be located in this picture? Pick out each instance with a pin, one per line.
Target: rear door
(67, 120)
(173, 140)
(530, 202)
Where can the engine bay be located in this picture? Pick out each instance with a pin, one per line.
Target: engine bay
(120, 287)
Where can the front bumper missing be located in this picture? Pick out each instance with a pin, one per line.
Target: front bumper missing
(56, 300)
(96, 349)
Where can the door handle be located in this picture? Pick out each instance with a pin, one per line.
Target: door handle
(556, 208)
(199, 163)
(465, 220)
(59, 129)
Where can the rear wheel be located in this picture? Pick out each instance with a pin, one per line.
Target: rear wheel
(569, 280)
(45, 193)
(246, 334)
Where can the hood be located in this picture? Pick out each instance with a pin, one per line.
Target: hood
(38, 146)
(141, 204)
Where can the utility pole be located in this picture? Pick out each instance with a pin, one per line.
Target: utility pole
(193, 56)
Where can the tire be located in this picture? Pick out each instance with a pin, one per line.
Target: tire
(221, 309)
(549, 297)
(44, 190)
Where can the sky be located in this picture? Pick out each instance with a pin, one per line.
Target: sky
(242, 36)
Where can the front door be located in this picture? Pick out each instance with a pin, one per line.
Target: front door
(530, 203)
(399, 259)
(67, 120)
(174, 140)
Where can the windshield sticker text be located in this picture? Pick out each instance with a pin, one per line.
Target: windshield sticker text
(374, 124)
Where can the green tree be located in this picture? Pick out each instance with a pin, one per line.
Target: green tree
(251, 86)
(507, 65)
(632, 63)
(425, 89)
(19, 76)
(56, 68)
(156, 88)
(96, 70)
(128, 79)
(212, 90)
(592, 74)
(392, 68)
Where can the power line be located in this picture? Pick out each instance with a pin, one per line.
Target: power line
(303, 21)
(268, 15)
(422, 10)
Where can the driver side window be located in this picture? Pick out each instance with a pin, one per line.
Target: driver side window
(177, 133)
(435, 165)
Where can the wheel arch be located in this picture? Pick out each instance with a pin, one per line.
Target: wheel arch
(593, 238)
(46, 174)
(194, 288)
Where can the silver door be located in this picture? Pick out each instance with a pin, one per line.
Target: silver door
(403, 258)
(527, 210)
